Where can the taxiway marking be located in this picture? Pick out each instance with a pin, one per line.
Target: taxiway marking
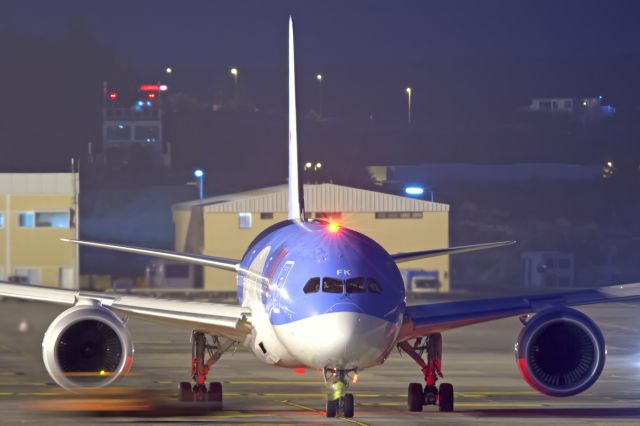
(272, 382)
(457, 404)
(304, 407)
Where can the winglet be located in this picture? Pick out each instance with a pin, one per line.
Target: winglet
(296, 198)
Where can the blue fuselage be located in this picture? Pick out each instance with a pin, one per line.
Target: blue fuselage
(306, 276)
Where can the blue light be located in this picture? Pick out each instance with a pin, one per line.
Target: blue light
(140, 103)
(414, 190)
(148, 103)
(120, 126)
(198, 173)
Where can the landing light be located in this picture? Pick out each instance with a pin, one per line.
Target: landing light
(333, 227)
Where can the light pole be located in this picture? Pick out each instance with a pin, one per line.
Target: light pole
(408, 90)
(234, 73)
(199, 174)
(319, 78)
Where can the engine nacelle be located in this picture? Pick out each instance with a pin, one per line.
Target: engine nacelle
(560, 352)
(87, 346)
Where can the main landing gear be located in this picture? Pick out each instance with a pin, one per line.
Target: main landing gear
(418, 396)
(199, 370)
(338, 402)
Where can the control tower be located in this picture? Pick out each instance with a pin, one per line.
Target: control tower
(132, 126)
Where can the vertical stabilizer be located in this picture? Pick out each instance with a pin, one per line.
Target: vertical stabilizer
(296, 202)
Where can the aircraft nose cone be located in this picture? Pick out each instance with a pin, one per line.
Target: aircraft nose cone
(338, 339)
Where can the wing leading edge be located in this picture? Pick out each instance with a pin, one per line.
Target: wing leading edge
(230, 321)
(413, 255)
(421, 320)
(196, 259)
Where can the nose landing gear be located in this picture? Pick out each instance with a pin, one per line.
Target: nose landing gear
(338, 402)
(418, 396)
(200, 369)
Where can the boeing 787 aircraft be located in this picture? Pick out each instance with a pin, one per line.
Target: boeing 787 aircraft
(317, 295)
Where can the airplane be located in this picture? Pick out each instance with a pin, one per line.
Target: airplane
(313, 294)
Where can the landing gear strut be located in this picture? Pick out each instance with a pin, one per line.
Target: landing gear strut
(338, 402)
(432, 370)
(200, 369)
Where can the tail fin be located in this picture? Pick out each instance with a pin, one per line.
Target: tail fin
(296, 194)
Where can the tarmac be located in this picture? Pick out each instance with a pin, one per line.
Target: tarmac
(478, 360)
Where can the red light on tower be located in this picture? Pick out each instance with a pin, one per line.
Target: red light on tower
(112, 96)
(150, 88)
(151, 95)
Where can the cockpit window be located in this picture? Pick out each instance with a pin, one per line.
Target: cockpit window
(312, 286)
(356, 285)
(332, 285)
(373, 285)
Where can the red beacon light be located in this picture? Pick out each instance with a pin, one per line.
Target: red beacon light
(112, 96)
(151, 95)
(333, 227)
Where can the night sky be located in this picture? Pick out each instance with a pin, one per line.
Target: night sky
(192, 33)
(472, 65)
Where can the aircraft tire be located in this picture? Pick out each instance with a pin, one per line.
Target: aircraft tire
(347, 405)
(415, 397)
(332, 407)
(445, 397)
(215, 392)
(185, 393)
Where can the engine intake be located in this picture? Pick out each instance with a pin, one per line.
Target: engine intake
(87, 346)
(560, 352)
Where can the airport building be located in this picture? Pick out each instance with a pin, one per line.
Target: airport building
(36, 210)
(224, 226)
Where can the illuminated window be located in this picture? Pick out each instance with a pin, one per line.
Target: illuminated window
(1, 220)
(244, 220)
(26, 220)
(312, 286)
(332, 285)
(59, 220)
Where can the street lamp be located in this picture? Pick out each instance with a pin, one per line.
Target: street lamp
(319, 78)
(168, 70)
(408, 90)
(234, 73)
(199, 174)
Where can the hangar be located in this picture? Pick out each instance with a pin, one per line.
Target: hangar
(36, 210)
(225, 226)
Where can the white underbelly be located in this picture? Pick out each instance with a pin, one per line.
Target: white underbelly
(343, 340)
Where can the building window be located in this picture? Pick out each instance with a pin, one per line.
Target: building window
(1, 220)
(398, 215)
(119, 132)
(266, 215)
(60, 220)
(328, 215)
(148, 134)
(26, 220)
(27, 275)
(244, 220)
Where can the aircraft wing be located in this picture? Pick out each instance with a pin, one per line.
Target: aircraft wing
(197, 259)
(422, 320)
(413, 255)
(230, 321)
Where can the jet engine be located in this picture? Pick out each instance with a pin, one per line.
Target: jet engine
(87, 346)
(560, 352)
